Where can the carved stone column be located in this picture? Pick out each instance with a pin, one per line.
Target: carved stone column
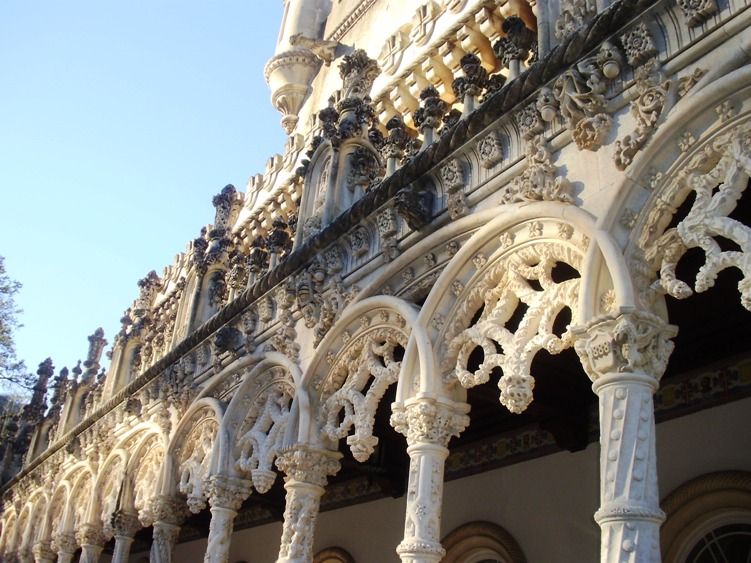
(168, 514)
(625, 356)
(65, 546)
(428, 424)
(306, 470)
(92, 540)
(124, 526)
(226, 495)
(43, 553)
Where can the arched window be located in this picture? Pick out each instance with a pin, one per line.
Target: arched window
(709, 519)
(481, 542)
(333, 555)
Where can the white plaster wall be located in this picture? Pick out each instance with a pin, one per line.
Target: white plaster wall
(546, 503)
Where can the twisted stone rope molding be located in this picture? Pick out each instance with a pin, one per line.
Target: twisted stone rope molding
(573, 48)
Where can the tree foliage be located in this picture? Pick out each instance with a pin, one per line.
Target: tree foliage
(12, 370)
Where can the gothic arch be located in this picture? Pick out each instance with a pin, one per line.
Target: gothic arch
(54, 518)
(362, 346)
(145, 466)
(476, 542)
(108, 488)
(81, 478)
(510, 267)
(9, 532)
(714, 169)
(253, 428)
(702, 505)
(190, 456)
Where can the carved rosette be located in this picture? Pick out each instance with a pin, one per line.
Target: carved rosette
(632, 342)
(697, 11)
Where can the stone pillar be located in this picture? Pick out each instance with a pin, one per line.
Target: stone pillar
(306, 470)
(226, 495)
(428, 424)
(168, 514)
(65, 546)
(625, 356)
(43, 553)
(92, 540)
(25, 555)
(124, 528)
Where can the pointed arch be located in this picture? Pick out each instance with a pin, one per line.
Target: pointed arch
(360, 357)
(190, 454)
(253, 428)
(505, 270)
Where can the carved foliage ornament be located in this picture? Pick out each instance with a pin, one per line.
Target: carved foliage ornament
(428, 421)
(631, 342)
(718, 175)
(540, 180)
(194, 463)
(697, 11)
(646, 109)
(368, 362)
(574, 14)
(580, 93)
(506, 287)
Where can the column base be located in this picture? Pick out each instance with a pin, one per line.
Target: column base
(416, 551)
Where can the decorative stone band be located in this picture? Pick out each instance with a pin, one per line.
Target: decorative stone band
(429, 420)
(635, 342)
(228, 492)
(617, 512)
(306, 464)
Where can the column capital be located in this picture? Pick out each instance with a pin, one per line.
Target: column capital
(635, 342)
(125, 524)
(426, 420)
(228, 492)
(306, 464)
(166, 509)
(90, 534)
(64, 543)
(43, 552)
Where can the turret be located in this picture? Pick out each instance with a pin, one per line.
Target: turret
(299, 52)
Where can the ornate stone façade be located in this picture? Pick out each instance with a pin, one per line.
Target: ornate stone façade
(496, 192)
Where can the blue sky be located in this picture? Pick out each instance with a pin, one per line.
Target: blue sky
(119, 120)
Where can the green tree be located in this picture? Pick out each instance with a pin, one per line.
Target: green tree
(12, 370)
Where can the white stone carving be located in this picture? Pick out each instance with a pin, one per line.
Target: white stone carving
(646, 109)
(306, 472)
(540, 180)
(506, 285)
(717, 192)
(194, 464)
(490, 150)
(625, 355)
(428, 426)
(371, 356)
(574, 14)
(262, 432)
(697, 11)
